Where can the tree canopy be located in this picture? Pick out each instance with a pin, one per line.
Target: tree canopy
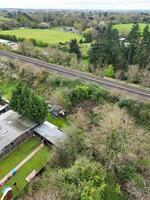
(28, 104)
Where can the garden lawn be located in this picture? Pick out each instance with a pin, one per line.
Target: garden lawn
(57, 121)
(14, 158)
(37, 162)
(124, 29)
(51, 36)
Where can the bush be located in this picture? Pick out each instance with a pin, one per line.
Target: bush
(84, 180)
(80, 92)
(128, 172)
(139, 110)
(91, 92)
(109, 72)
(138, 181)
(16, 39)
(96, 92)
(9, 37)
(73, 145)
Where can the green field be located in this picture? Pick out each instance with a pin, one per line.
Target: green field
(125, 28)
(35, 163)
(51, 36)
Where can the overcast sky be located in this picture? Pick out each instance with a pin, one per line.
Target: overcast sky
(77, 4)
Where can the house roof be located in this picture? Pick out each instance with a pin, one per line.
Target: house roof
(51, 133)
(12, 126)
(3, 107)
(4, 41)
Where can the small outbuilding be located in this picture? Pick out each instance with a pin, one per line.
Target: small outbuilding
(50, 133)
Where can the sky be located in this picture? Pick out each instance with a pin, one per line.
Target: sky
(77, 4)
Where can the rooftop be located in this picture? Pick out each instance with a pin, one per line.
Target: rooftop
(12, 126)
(4, 41)
(51, 133)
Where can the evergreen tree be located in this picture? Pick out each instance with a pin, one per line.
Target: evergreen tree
(107, 49)
(15, 98)
(29, 105)
(144, 53)
(74, 48)
(134, 45)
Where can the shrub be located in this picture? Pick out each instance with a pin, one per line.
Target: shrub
(96, 92)
(85, 91)
(139, 110)
(73, 145)
(80, 92)
(109, 72)
(16, 39)
(84, 180)
(128, 172)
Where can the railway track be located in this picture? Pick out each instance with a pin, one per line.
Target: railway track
(109, 84)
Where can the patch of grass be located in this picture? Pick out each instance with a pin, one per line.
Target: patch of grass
(145, 163)
(6, 88)
(36, 163)
(124, 29)
(60, 122)
(51, 36)
(13, 159)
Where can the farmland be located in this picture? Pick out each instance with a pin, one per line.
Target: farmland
(51, 36)
(126, 28)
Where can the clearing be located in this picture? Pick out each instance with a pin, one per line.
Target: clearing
(51, 36)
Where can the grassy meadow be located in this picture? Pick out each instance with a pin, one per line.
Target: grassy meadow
(125, 28)
(51, 36)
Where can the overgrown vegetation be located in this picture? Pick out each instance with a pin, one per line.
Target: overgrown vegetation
(106, 153)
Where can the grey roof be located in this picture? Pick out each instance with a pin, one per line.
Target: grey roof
(12, 126)
(3, 107)
(51, 133)
(4, 41)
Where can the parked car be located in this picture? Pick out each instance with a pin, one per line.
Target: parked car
(56, 111)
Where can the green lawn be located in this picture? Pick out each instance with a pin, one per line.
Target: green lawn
(52, 36)
(8, 163)
(6, 88)
(60, 122)
(36, 163)
(125, 28)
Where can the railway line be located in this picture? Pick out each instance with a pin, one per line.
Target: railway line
(109, 84)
